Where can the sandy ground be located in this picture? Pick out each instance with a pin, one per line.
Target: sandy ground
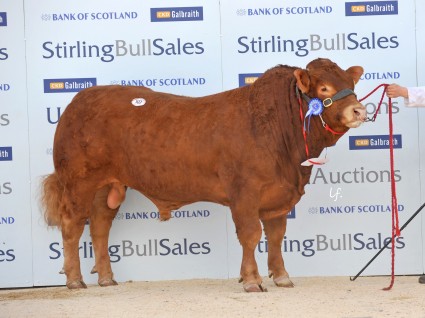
(311, 297)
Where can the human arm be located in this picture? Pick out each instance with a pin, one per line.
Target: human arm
(413, 96)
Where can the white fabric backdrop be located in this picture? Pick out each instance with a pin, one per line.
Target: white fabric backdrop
(222, 42)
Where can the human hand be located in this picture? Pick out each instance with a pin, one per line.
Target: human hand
(394, 91)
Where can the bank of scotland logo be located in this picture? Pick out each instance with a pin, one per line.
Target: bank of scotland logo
(241, 12)
(46, 17)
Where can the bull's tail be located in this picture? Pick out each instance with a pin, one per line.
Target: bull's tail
(51, 197)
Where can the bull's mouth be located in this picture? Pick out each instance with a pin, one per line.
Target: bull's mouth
(355, 124)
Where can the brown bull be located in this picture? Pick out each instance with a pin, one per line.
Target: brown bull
(252, 144)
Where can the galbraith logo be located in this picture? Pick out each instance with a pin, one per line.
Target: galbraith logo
(371, 8)
(248, 78)
(177, 14)
(3, 19)
(68, 85)
(6, 154)
(374, 142)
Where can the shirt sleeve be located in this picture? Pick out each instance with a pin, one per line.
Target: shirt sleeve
(416, 97)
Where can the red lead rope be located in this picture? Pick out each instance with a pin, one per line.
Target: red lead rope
(302, 120)
(395, 232)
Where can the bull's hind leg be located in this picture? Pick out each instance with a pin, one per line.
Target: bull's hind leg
(76, 207)
(105, 206)
(275, 229)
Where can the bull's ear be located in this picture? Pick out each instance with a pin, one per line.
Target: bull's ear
(303, 80)
(355, 73)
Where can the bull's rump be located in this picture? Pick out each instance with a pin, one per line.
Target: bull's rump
(172, 147)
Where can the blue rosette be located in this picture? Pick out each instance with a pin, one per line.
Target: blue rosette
(315, 107)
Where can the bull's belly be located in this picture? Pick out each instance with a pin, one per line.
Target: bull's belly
(172, 192)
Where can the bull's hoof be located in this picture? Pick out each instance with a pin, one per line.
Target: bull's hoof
(107, 282)
(283, 281)
(76, 284)
(93, 270)
(254, 288)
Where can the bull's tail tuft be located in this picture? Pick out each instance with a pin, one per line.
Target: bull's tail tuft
(51, 197)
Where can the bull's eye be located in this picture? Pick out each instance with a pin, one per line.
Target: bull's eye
(323, 89)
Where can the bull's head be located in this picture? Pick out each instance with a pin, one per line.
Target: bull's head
(324, 79)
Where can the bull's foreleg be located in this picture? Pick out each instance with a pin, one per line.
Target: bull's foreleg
(101, 219)
(275, 229)
(248, 230)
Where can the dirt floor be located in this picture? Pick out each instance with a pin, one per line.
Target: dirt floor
(311, 297)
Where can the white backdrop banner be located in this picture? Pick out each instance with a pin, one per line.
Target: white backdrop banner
(199, 48)
(15, 209)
